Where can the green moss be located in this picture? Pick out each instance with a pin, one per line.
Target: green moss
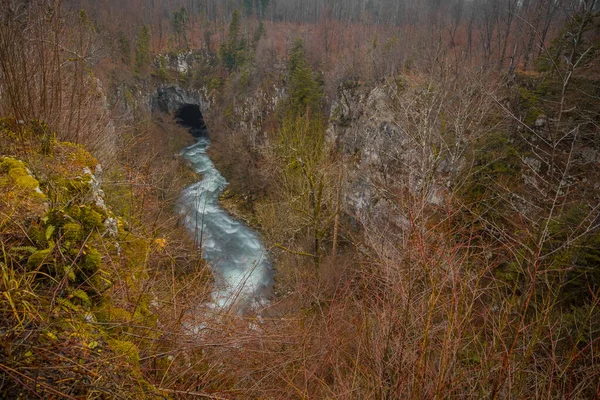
(9, 163)
(576, 267)
(116, 319)
(39, 258)
(17, 172)
(78, 187)
(67, 305)
(74, 211)
(93, 259)
(56, 217)
(508, 273)
(80, 297)
(530, 105)
(91, 219)
(19, 176)
(27, 182)
(108, 313)
(126, 349)
(73, 231)
(142, 314)
(70, 273)
(215, 84)
(37, 235)
(77, 155)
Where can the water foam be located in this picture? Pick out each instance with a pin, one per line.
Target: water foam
(236, 254)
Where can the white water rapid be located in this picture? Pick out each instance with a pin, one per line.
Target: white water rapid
(243, 273)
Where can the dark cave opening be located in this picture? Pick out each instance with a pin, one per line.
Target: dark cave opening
(189, 115)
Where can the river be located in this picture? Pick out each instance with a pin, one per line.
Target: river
(236, 254)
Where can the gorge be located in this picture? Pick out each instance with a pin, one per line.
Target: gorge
(238, 259)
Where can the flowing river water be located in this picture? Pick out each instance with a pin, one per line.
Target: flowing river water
(238, 259)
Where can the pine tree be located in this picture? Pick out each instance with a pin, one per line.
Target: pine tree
(142, 49)
(302, 151)
(234, 29)
(180, 24)
(248, 7)
(305, 91)
(233, 52)
(260, 32)
(124, 49)
(263, 4)
(297, 56)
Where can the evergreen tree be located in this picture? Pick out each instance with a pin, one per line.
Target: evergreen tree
(208, 40)
(233, 52)
(297, 56)
(180, 25)
(142, 49)
(124, 49)
(248, 7)
(234, 28)
(263, 4)
(306, 93)
(302, 151)
(260, 32)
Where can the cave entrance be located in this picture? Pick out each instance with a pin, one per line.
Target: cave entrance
(189, 115)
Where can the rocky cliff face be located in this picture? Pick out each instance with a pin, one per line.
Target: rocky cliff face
(170, 98)
(248, 112)
(385, 154)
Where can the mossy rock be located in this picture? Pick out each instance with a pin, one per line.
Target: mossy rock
(142, 314)
(18, 176)
(79, 187)
(9, 163)
(22, 179)
(17, 172)
(28, 182)
(75, 157)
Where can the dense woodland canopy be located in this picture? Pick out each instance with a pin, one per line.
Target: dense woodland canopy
(424, 173)
(504, 28)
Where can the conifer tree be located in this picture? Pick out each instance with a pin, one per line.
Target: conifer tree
(180, 24)
(124, 49)
(234, 29)
(260, 32)
(263, 4)
(142, 49)
(232, 52)
(305, 91)
(302, 149)
(248, 7)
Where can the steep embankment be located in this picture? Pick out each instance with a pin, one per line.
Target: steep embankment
(61, 248)
(91, 261)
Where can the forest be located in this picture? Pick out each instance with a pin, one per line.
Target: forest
(299, 199)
